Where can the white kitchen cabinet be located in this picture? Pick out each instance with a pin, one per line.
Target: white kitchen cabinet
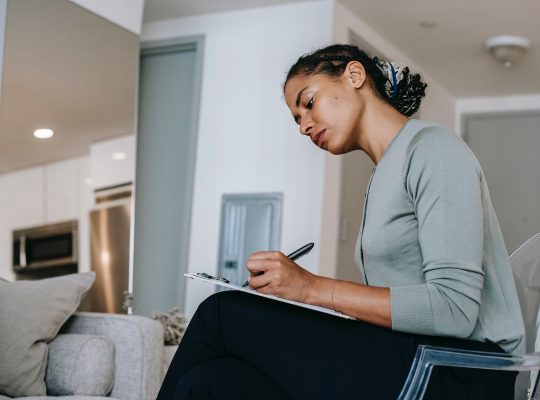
(22, 204)
(61, 191)
(113, 161)
(23, 197)
(69, 196)
(5, 254)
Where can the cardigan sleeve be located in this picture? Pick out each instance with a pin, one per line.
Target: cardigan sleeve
(443, 180)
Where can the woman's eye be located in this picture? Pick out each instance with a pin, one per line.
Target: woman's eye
(310, 103)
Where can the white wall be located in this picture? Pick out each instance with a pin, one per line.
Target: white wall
(247, 139)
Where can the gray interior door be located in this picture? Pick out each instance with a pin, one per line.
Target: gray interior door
(165, 156)
(508, 147)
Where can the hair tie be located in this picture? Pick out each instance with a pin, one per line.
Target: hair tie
(394, 73)
(394, 81)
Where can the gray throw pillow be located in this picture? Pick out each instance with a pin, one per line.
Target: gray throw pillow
(31, 314)
(80, 365)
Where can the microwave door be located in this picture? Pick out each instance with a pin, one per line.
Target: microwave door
(48, 251)
(45, 247)
(109, 257)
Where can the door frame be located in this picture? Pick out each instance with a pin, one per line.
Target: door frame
(160, 46)
(465, 118)
(519, 104)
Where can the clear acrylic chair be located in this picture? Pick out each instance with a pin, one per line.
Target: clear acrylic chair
(526, 268)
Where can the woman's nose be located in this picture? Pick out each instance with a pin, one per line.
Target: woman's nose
(306, 127)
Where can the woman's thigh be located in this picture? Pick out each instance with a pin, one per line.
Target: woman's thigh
(312, 355)
(307, 354)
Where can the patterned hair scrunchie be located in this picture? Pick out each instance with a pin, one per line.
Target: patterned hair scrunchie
(394, 73)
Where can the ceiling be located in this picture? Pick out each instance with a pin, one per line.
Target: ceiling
(452, 53)
(82, 83)
(155, 10)
(65, 69)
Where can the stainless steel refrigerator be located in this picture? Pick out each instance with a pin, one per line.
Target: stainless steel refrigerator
(110, 223)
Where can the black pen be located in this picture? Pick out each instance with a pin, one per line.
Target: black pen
(294, 255)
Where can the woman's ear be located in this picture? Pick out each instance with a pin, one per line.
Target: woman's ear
(355, 74)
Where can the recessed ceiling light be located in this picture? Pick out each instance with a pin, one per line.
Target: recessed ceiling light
(119, 156)
(427, 24)
(44, 133)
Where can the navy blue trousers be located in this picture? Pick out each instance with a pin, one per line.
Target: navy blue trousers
(238, 346)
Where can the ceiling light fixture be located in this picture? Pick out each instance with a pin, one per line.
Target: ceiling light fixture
(508, 50)
(119, 156)
(43, 133)
(428, 24)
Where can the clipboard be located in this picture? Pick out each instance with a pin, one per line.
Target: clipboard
(217, 281)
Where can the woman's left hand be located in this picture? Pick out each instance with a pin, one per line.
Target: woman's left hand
(272, 272)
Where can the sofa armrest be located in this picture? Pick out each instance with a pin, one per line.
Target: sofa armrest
(138, 343)
(168, 355)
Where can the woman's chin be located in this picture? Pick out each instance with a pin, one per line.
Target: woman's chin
(335, 153)
(335, 150)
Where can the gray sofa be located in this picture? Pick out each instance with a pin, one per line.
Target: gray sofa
(136, 345)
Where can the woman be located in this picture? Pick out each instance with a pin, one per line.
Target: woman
(430, 248)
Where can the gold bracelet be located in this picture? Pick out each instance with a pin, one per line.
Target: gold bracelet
(333, 287)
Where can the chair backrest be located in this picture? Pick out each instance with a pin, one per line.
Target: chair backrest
(525, 263)
(526, 268)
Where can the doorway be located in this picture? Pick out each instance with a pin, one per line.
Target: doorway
(507, 147)
(169, 91)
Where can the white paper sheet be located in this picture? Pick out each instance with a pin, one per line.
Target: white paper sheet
(251, 291)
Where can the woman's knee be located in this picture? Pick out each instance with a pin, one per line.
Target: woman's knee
(194, 385)
(213, 302)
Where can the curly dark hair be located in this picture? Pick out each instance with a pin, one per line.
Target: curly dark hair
(404, 93)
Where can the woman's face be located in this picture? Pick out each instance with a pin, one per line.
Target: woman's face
(327, 109)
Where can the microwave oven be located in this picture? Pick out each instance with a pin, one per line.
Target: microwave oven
(46, 246)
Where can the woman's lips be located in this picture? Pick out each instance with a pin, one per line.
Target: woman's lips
(319, 137)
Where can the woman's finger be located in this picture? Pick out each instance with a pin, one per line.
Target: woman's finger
(259, 281)
(261, 265)
(266, 255)
(268, 289)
